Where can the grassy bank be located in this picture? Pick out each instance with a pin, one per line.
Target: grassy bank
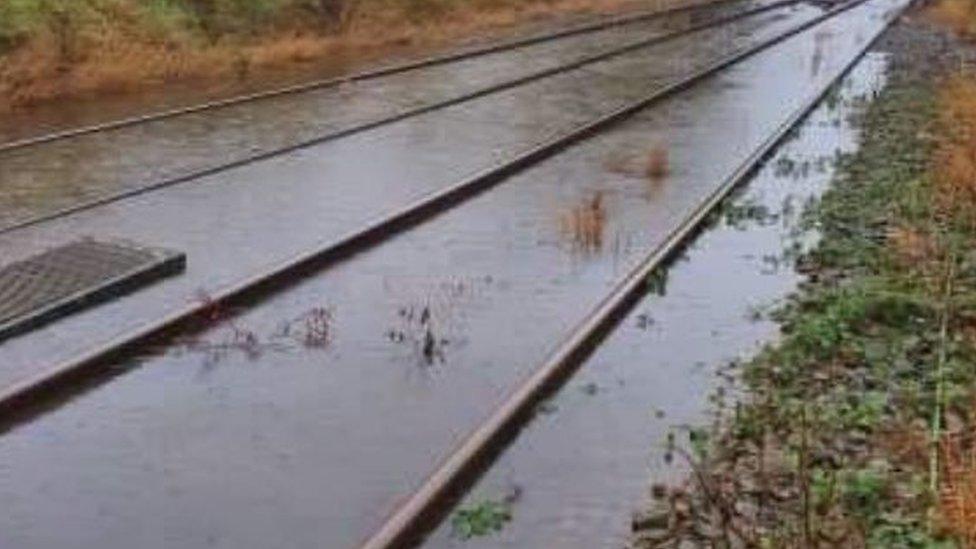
(956, 15)
(857, 428)
(55, 49)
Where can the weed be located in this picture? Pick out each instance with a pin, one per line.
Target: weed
(862, 491)
(420, 331)
(585, 223)
(657, 281)
(957, 492)
(658, 165)
(430, 321)
(740, 214)
(831, 447)
(481, 519)
(318, 327)
(699, 440)
(312, 329)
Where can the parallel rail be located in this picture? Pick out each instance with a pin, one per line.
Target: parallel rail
(262, 285)
(359, 76)
(424, 509)
(403, 115)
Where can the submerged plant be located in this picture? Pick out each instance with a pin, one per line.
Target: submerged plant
(657, 281)
(585, 223)
(658, 166)
(481, 519)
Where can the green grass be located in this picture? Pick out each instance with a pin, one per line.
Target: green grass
(840, 411)
(166, 19)
(480, 519)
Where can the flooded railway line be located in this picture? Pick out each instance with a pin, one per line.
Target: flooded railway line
(187, 145)
(67, 127)
(262, 222)
(578, 472)
(322, 442)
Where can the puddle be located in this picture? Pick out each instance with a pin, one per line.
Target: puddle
(590, 457)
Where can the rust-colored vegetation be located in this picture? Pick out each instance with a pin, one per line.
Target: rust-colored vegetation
(954, 161)
(911, 246)
(957, 492)
(52, 49)
(954, 179)
(658, 165)
(584, 224)
(958, 15)
(653, 165)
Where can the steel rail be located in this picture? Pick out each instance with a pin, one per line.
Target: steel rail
(403, 115)
(28, 392)
(423, 509)
(360, 76)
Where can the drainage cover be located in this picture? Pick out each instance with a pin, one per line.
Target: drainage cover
(63, 280)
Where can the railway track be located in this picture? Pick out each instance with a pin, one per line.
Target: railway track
(370, 74)
(423, 510)
(417, 512)
(432, 154)
(387, 226)
(184, 164)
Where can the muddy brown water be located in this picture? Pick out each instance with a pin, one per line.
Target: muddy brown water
(255, 435)
(588, 460)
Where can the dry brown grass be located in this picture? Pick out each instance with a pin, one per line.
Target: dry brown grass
(954, 177)
(954, 160)
(911, 246)
(958, 15)
(957, 491)
(126, 59)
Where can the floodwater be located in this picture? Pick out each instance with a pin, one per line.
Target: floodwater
(45, 118)
(53, 176)
(587, 461)
(241, 222)
(304, 420)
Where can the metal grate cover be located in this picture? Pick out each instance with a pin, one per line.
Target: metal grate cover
(63, 280)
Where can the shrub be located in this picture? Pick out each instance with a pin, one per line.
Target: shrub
(18, 18)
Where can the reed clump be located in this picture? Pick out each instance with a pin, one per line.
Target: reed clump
(585, 223)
